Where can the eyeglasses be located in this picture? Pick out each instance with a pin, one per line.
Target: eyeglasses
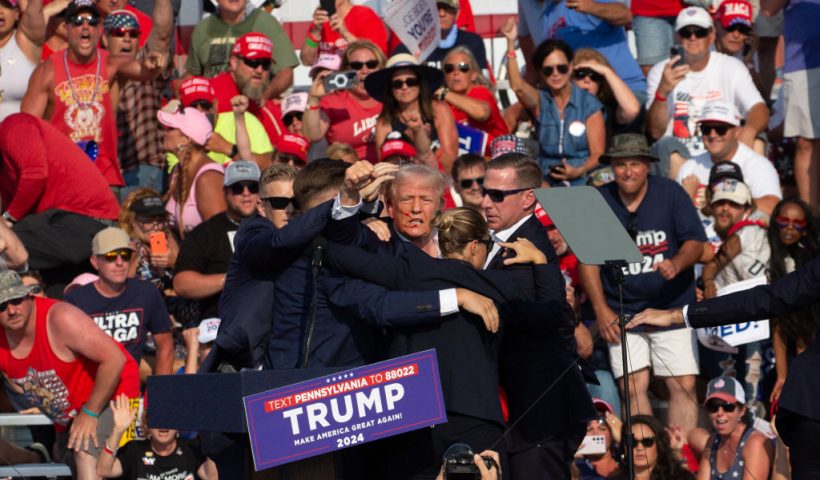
(647, 442)
(370, 64)
(783, 222)
(146, 222)
(254, 64)
(713, 407)
(78, 20)
(14, 301)
(112, 256)
(487, 242)
(462, 67)
(698, 32)
(409, 82)
(498, 196)
(563, 69)
(239, 188)
(124, 32)
(468, 182)
(280, 203)
(721, 130)
(583, 73)
(632, 225)
(289, 118)
(739, 27)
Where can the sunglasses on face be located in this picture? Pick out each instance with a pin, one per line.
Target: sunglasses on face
(409, 82)
(583, 73)
(254, 64)
(112, 256)
(239, 188)
(783, 222)
(713, 407)
(487, 242)
(647, 442)
(124, 32)
(498, 196)
(280, 203)
(462, 67)
(698, 32)
(370, 64)
(739, 27)
(721, 130)
(146, 222)
(78, 20)
(15, 301)
(563, 69)
(289, 118)
(468, 182)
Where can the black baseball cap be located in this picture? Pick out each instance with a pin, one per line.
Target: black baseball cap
(151, 206)
(77, 6)
(724, 171)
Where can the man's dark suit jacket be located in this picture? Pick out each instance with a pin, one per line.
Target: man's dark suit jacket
(533, 365)
(801, 393)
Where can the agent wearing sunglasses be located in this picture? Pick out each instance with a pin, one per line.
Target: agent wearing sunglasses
(22, 47)
(465, 90)
(468, 177)
(735, 449)
(673, 92)
(571, 130)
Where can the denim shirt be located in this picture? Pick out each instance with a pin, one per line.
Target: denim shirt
(568, 138)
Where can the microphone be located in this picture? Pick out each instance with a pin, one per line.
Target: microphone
(318, 247)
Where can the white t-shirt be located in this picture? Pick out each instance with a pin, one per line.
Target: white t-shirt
(724, 78)
(751, 262)
(758, 172)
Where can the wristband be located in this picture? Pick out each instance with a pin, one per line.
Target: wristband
(312, 38)
(311, 43)
(108, 449)
(89, 412)
(659, 97)
(511, 55)
(313, 107)
(7, 216)
(234, 151)
(442, 94)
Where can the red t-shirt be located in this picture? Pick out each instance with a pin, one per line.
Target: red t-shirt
(657, 8)
(225, 89)
(57, 387)
(494, 125)
(41, 168)
(360, 21)
(352, 122)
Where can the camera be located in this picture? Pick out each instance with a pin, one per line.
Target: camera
(340, 81)
(459, 464)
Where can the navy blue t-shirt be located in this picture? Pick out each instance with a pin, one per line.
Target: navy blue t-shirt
(127, 317)
(664, 220)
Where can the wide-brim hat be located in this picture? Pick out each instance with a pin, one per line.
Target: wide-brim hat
(376, 83)
(628, 145)
(12, 287)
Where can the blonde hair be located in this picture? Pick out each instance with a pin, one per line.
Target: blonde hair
(590, 54)
(338, 150)
(127, 216)
(458, 227)
(366, 45)
(480, 79)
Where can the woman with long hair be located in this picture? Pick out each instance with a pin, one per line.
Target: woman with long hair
(793, 241)
(405, 89)
(652, 453)
(571, 131)
(142, 215)
(22, 34)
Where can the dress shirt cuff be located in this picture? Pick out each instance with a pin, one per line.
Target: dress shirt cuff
(448, 301)
(340, 212)
(371, 208)
(686, 316)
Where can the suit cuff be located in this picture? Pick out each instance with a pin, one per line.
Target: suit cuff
(341, 212)
(448, 301)
(686, 316)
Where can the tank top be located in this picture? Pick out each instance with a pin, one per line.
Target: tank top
(83, 108)
(15, 70)
(735, 471)
(189, 214)
(57, 387)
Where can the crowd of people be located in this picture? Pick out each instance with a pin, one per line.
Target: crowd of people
(163, 202)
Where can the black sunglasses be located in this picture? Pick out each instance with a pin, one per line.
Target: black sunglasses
(719, 129)
(487, 242)
(498, 196)
(112, 256)
(281, 203)
(124, 32)
(583, 73)
(468, 182)
(78, 20)
(713, 407)
(239, 188)
(563, 69)
(410, 82)
(254, 64)
(289, 118)
(370, 64)
(739, 27)
(463, 67)
(698, 32)
(647, 442)
(14, 301)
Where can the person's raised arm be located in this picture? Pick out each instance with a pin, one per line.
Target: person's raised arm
(664, 82)
(447, 135)
(281, 81)
(162, 15)
(757, 120)
(310, 49)
(108, 465)
(239, 104)
(31, 29)
(614, 13)
(421, 138)
(525, 92)
(315, 122)
(148, 68)
(771, 7)
(628, 105)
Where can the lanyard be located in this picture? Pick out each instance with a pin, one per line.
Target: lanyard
(71, 83)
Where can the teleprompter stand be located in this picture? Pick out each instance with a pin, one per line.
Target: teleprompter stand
(597, 237)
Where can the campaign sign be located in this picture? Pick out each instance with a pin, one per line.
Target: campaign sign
(344, 409)
(416, 24)
(471, 140)
(726, 337)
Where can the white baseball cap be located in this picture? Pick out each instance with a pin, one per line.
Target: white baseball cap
(719, 111)
(733, 191)
(695, 16)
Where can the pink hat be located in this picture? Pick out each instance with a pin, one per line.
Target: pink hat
(293, 144)
(329, 61)
(253, 45)
(193, 123)
(296, 102)
(196, 88)
(602, 405)
(732, 12)
(80, 281)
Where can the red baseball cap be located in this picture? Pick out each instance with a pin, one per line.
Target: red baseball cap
(196, 88)
(293, 144)
(398, 146)
(254, 45)
(732, 12)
